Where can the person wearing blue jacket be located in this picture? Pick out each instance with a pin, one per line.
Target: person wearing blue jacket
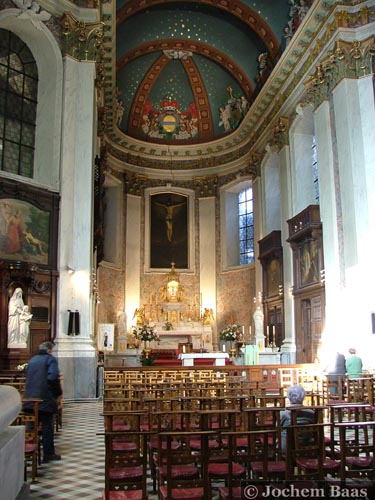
(43, 382)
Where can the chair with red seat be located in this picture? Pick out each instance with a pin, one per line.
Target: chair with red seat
(175, 483)
(306, 453)
(125, 471)
(259, 458)
(357, 450)
(32, 440)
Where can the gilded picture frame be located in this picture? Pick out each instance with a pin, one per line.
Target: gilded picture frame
(24, 232)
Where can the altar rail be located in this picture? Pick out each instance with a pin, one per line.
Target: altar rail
(267, 375)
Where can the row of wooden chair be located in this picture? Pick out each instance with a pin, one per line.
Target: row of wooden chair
(192, 452)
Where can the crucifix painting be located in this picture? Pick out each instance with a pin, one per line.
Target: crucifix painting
(169, 230)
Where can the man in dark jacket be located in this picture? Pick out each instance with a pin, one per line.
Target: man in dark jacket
(42, 382)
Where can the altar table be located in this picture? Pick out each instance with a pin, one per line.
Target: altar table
(188, 358)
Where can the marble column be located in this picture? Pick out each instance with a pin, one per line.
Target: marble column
(76, 354)
(354, 118)
(289, 343)
(207, 261)
(133, 257)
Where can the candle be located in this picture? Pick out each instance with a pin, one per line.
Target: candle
(183, 349)
(223, 347)
(243, 331)
(250, 330)
(268, 335)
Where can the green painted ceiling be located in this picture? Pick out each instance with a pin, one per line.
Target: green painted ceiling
(194, 22)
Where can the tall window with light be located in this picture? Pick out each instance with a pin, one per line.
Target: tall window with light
(18, 105)
(246, 225)
(315, 170)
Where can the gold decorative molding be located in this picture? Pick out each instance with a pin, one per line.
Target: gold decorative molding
(347, 60)
(253, 166)
(82, 41)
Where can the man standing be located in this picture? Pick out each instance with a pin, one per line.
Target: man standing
(42, 382)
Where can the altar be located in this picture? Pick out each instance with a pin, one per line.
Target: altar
(195, 333)
(174, 318)
(188, 358)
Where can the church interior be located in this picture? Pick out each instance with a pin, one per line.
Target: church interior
(186, 185)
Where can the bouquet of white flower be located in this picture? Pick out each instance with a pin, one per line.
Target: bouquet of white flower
(146, 333)
(231, 333)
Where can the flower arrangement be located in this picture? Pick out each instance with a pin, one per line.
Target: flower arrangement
(146, 333)
(22, 368)
(168, 326)
(231, 333)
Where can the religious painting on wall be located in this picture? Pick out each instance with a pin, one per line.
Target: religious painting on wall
(24, 232)
(309, 262)
(106, 336)
(273, 278)
(169, 231)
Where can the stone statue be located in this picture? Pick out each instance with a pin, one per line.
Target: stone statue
(19, 319)
(258, 322)
(121, 323)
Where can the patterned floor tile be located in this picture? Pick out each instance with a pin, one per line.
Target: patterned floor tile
(80, 473)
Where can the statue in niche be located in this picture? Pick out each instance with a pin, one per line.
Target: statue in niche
(19, 319)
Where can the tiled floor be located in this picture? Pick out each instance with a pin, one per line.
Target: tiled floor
(80, 474)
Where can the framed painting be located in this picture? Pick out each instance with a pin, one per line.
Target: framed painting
(309, 260)
(24, 232)
(169, 230)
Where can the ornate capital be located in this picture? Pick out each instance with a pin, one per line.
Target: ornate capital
(83, 41)
(280, 132)
(346, 60)
(206, 185)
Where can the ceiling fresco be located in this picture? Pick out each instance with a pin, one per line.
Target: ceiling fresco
(187, 72)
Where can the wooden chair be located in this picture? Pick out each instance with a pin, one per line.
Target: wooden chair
(125, 471)
(175, 484)
(259, 457)
(32, 447)
(306, 455)
(357, 450)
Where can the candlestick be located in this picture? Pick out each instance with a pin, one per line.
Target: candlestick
(268, 335)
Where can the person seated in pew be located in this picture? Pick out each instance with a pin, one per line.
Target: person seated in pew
(296, 395)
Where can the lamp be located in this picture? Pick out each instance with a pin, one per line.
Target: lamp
(69, 269)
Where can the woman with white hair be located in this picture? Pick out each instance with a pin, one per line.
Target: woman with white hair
(296, 395)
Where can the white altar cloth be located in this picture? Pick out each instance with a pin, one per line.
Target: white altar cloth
(188, 358)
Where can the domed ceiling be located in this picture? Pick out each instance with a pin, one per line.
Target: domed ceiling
(187, 72)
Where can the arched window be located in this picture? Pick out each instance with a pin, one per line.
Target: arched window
(237, 224)
(246, 225)
(18, 104)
